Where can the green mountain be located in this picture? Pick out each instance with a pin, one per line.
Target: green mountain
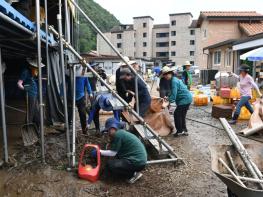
(100, 16)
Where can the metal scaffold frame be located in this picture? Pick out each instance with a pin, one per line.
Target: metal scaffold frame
(66, 44)
(39, 59)
(2, 99)
(85, 64)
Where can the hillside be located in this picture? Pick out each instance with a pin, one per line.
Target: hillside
(101, 17)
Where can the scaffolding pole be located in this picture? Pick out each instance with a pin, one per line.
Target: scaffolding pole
(41, 105)
(61, 56)
(85, 64)
(3, 109)
(67, 26)
(137, 95)
(47, 53)
(74, 117)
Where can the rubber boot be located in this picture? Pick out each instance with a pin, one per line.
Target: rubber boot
(234, 119)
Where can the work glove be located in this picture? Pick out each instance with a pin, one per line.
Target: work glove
(94, 153)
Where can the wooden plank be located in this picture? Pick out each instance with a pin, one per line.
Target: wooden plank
(153, 141)
(116, 104)
(127, 117)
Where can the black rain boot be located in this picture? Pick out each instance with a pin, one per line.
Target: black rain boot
(234, 119)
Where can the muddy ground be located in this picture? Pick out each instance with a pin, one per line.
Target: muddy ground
(30, 178)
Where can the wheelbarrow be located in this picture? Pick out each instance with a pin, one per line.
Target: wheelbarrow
(89, 168)
(235, 188)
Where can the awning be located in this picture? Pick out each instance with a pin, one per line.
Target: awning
(254, 55)
(250, 42)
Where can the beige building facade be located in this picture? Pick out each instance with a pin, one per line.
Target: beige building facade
(176, 41)
(217, 27)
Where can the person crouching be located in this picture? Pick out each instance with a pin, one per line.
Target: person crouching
(129, 153)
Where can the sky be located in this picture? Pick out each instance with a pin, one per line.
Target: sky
(125, 10)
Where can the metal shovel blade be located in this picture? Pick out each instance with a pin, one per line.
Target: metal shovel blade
(29, 134)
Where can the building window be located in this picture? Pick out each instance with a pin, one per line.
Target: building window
(192, 62)
(217, 57)
(173, 23)
(162, 35)
(162, 44)
(144, 44)
(144, 35)
(173, 53)
(144, 54)
(173, 33)
(118, 45)
(192, 32)
(162, 54)
(144, 25)
(173, 43)
(135, 44)
(192, 53)
(119, 36)
(228, 58)
(192, 42)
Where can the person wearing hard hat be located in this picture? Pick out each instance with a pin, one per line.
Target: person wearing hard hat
(186, 75)
(28, 83)
(129, 153)
(181, 96)
(246, 84)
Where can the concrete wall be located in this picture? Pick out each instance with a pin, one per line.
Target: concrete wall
(182, 39)
(102, 46)
(139, 39)
(127, 41)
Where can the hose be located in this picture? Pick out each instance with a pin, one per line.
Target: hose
(204, 123)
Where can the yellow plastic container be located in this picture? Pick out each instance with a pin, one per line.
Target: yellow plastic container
(235, 93)
(254, 96)
(226, 101)
(201, 100)
(217, 100)
(244, 114)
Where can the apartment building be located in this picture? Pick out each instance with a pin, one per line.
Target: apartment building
(175, 41)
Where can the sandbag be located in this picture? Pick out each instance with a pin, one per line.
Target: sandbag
(160, 122)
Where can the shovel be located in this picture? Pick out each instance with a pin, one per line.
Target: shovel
(29, 130)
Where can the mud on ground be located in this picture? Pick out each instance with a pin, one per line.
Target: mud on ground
(28, 177)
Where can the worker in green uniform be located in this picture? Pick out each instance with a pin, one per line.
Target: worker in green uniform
(187, 76)
(128, 151)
